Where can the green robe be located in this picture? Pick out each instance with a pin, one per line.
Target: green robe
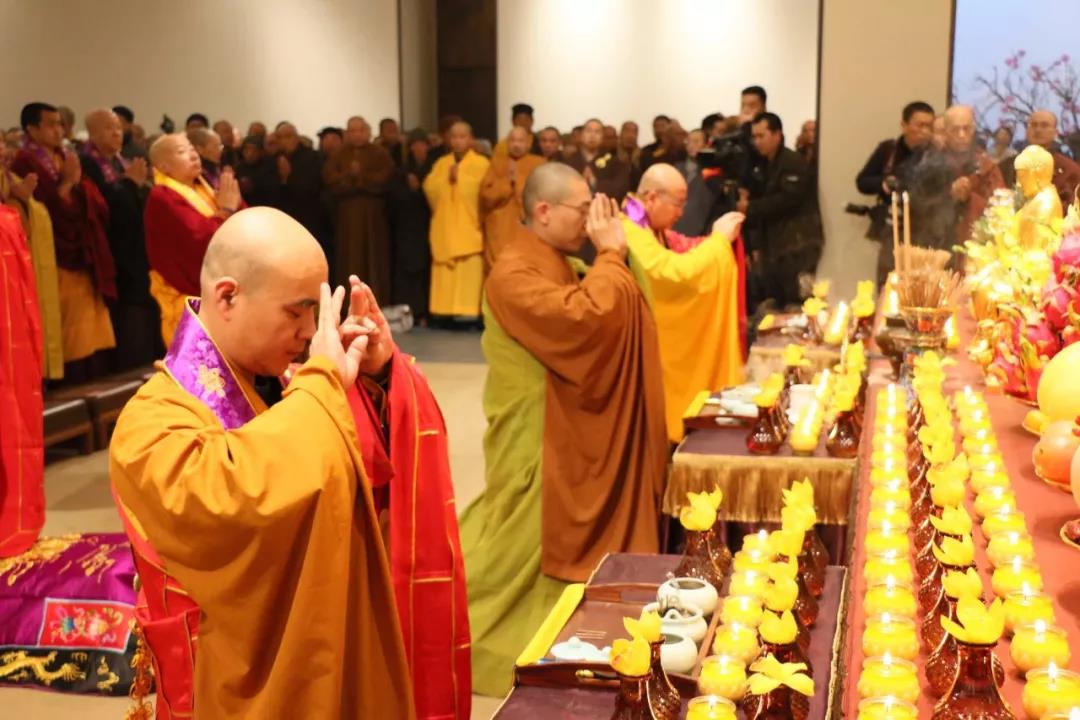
(508, 595)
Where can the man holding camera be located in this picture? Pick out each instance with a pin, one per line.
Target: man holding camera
(889, 170)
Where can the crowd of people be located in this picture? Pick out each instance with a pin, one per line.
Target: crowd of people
(118, 220)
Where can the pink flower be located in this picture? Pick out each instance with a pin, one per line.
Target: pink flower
(1065, 58)
(1067, 256)
(1012, 63)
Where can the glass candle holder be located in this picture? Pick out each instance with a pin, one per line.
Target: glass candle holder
(1038, 645)
(1026, 607)
(1050, 690)
(887, 675)
(890, 634)
(886, 708)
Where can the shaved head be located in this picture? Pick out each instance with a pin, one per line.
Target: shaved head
(175, 156)
(551, 183)
(1042, 128)
(517, 141)
(105, 131)
(253, 242)
(959, 128)
(661, 177)
(260, 288)
(662, 192)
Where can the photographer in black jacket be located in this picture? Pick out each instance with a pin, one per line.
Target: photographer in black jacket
(782, 210)
(890, 169)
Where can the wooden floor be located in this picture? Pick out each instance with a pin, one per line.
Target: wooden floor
(78, 500)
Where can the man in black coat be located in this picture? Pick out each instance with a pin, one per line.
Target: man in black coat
(787, 241)
(298, 191)
(135, 314)
(891, 168)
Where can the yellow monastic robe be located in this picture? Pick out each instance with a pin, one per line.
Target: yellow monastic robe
(695, 300)
(271, 529)
(457, 241)
(38, 226)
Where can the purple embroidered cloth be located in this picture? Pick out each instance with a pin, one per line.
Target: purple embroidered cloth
(195, 363)
(70, 592)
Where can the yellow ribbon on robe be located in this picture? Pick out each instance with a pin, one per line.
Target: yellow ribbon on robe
(169, 299)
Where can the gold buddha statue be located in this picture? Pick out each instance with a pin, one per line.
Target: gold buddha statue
(1035, 175)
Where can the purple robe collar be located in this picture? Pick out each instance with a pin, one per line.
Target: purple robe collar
(198, 366)
(635, 211)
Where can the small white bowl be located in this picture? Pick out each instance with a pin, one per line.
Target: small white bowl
(692, 626)
(690, 591)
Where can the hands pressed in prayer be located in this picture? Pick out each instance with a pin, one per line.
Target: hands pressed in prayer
(511, 170)
(728, 225)
(453, 173)
(137, 171)
(364, 311)
(25, 189)
(344, 344)
(228, 193)
(604, 226)
(961, 189)
(71, 172)
(283, 168)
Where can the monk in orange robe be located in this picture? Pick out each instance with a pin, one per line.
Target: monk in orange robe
(22, 455)
(500, 193)
(182, 213)
(575, 448)
(254, 529)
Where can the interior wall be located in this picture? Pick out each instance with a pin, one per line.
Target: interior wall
(876, 57)
(314, 63)
(419, 67)
(632, 59)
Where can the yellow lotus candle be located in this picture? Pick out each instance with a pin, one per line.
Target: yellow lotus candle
(1027, 606)
(889, 514)
(981, 442)
(710, 707)
(887, 708)
(723, 675)
(803, 437)
(992, 499)
(890, 634)
(888, 452)
(838, 324)
(1037, 645)
(879, 568)
(884, 494)
(1006, 547)
(756, 560)
(886, 475)
(1049, 690)
(990, 462)
(886, 675)
(985, 449)
(982, 480)
(1006, 519)
(741, 609)
(759, 541)
(749, 582)
(890, 597)
(739, 641)
(1015, 576)
(978, 624)
(878, 541)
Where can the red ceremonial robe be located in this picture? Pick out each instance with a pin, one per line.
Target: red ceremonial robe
(411, 479)
(22, 455)
(176, 238)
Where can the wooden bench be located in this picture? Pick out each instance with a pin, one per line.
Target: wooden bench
(66, 419)
(105, 398)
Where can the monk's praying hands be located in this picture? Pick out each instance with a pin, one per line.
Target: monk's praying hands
(604, 226)
(327, 340)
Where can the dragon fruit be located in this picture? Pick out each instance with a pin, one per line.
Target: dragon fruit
(1033, 364)
(1056, 300)
(1067, 258)
(1041, 336)
(1006, 373)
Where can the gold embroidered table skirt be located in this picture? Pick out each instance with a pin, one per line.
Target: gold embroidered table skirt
(753, 484)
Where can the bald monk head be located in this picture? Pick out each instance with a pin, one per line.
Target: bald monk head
(357, 131)
(959, 128)
(556, 199)
(105, 131)
(517, 142)
(175, 156)
(1042, 128)
(662, 192)
(261, 278)
(461, 138)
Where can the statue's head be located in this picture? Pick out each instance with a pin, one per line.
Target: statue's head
(1034, 169)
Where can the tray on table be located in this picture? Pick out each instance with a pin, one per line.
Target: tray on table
(619, 587)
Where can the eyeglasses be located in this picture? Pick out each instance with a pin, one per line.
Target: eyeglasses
(581, 209)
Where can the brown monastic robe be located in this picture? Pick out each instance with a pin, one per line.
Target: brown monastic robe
(363, 236)
(605, 447)
(501, 204)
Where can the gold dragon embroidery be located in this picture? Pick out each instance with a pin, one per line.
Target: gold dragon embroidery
(111, 678)
(16, 663)
(46, 550)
